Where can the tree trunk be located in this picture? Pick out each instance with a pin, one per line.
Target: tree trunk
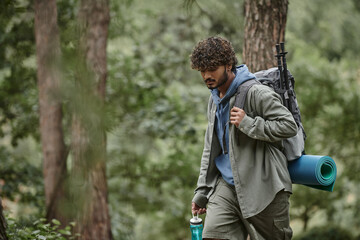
(2, 224)
(88, 134)
(305, 218)
(48, 75)
(265, 22)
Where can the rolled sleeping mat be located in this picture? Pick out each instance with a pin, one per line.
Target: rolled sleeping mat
(313, 171)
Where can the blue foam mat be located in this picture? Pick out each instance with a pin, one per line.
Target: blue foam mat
(314, 171)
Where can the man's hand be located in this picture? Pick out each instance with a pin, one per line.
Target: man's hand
(236, 116)
(196, 209)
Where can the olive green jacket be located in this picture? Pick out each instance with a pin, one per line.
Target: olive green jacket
(259, 168)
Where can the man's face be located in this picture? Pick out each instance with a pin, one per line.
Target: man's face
(215, 78)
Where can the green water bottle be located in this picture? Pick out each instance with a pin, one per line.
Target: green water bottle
(196, 228)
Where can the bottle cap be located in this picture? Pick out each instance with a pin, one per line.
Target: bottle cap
(196, 220)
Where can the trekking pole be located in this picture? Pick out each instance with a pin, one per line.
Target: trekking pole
(278, 56)
(285, 72)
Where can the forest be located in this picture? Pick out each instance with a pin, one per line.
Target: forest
(102, 119)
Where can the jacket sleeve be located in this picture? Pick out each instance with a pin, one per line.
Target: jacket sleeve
(272, 121)
(202, 190)
(204, 187)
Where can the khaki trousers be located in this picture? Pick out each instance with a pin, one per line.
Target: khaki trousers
(225, 221)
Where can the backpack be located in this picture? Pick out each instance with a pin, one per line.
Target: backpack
(294, 147)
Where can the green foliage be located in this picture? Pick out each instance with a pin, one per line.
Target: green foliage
(334, 92)
(328, 232)
(331, 26)
(40, 230)
(18, 86)
(154, 153)
(155, 112)
(21, 181)
(327, 86)
(18, 92)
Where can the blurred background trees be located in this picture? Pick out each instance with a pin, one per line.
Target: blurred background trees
(154, 109)
(50, 107)
(86, 189)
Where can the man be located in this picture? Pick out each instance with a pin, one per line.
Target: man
(244, 185)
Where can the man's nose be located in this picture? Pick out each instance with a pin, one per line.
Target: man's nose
(207, 75)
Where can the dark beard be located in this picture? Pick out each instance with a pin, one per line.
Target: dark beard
(222, 81)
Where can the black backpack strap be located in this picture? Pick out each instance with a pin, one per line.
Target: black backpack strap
(242, 92)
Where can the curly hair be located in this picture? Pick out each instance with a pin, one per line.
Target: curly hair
(211, 53)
